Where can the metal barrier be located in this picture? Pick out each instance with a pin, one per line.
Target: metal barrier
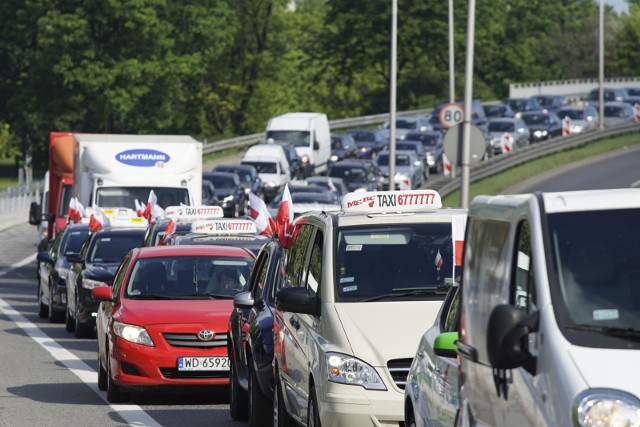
(19, 197)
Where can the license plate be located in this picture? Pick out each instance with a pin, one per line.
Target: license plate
(203, 363)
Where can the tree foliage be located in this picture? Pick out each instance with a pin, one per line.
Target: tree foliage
(219, 68)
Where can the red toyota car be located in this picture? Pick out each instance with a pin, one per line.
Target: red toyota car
(164, 322)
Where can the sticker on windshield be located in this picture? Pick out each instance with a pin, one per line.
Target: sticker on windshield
(354, 247)
(608, 314)
(350, 288)
(346, 279)
(379, 237)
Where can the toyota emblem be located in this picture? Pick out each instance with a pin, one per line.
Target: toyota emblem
(206, 335)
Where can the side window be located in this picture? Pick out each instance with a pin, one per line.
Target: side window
(256, 281)
(121, 273)
(523, 290)
(453, 313)
(314, 278)
(296, 267)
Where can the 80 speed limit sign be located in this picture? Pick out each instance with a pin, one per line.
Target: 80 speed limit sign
(451, 114)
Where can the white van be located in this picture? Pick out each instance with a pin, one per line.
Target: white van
(550, 321)
(308, 132)
(272, 166)
(359, 288)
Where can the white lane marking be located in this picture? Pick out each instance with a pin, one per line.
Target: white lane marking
(18, 264)
(132, 414)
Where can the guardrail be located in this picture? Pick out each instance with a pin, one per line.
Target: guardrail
(19, 197)
(354, 122)
(502, 162)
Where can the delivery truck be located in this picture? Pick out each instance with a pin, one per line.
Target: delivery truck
(115, 170)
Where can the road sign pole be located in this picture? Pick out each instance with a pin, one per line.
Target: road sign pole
(392, 96)
(468, 96)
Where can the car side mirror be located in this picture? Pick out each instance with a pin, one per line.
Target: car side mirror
(506, 338)
(74, 258)
(243, 300)
(103, 293)
(44, 257)
(445, 344)
(297, 300)
(35, 213)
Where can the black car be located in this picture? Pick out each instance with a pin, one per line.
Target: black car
(520, 105)
(357, 174)
(156, 231)
(249, 179)
(369, 142)
(99, 257)
(343, 146)
(433, 145)
(332, 183)
(251, 340)
(54, 267)
(298, 168)
(233, 199)
(209, 194)
(542, 125)
(550, 102)
(497, 110)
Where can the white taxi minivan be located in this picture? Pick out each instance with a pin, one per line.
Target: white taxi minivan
(550, 313)
(361, 285)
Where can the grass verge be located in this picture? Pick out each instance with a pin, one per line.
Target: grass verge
(498, 183)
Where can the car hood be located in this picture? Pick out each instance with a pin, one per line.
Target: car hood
(620, 372)
(273, 177)
(151, 312)
(533, 128)
(377, 338)
(100, 271)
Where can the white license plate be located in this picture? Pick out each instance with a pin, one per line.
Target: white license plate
(203, 363)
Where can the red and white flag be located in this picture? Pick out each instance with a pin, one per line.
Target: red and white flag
(150, 207)
(446, 165)
(260, 215)
(140, 207)
(458, 224)
(507, 143)
(438, 262)
(566, 126)
(98, 220)
(76, 210)
(284, 221)
(169, 230)
(331, 186)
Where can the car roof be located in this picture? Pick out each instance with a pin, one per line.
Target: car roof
(194, 250)
(349, 219)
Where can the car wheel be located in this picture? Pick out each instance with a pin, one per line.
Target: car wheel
(81, 330)
(280, 416)
(43, 310)
(412, 421)
(258, 403)
(54, 317)
(313, 414)
(102, 374)
(238, 404)
(114, 392)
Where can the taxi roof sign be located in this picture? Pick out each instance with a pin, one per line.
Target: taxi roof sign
(391, 201)
(193, 212)
(224, 227)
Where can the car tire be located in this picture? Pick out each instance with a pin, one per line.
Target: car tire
(238, 404)
(280, 416)
(102, 375)
(80, 330)
(258, 403)
(54, 316)
(43, 310)
(313, 412)
(114, 392)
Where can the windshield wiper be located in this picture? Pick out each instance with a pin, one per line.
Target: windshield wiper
(607, 330)
(410, 292)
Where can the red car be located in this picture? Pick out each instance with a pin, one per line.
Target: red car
(164, 323)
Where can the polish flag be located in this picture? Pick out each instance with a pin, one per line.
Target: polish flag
(260, 215)
(566, 126)
(458, 224)
(140, 207)
(331, 186)
(149, 209)
(98, 220)
(438, 261)
(507, 143)
(446, 165)
(76, 211)
(284, 221)
(169, 230)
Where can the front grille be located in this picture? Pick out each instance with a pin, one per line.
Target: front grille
(399, 369)
(191, 340)
(174, 373)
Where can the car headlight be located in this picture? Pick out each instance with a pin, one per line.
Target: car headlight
(333, 158)
(132, 333)
(62, 272)
(305, 159)
(576, 128)
(90, 283)
(271, 184)
(540, 133)
(600, 407)
(227, 199)
(345, 369)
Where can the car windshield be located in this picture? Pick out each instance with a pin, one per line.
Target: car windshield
(74, 241)
(221, 181)
(518, 104)
(613, 111)
(395, 262)
(598, 272)
(126, 196)
(360, 136)
(349, 173)
(493, 110)
(572, 114)
(188, 277)
(298, 138)
(427, 139)
(536, 119)
(501, 126)
(402, 124)
(244, 175)
(263, 167)
(112, 248)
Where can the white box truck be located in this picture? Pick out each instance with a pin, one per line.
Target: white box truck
(310, 135)
(114, 170)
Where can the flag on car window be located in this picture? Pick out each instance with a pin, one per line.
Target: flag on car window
(284, 221)
(169, 230)
(458, 224)
(76, 210)
(140, 207)
(98, 220)
(331, 186)
(438, 261)
(260, 215)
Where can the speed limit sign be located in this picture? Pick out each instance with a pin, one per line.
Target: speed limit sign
(451, 114)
